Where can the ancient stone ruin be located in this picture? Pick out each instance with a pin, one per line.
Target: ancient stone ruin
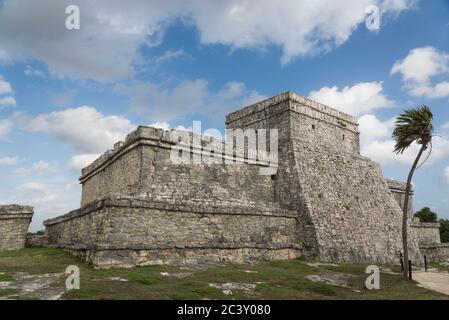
(427, 233)
(14, 223)
(323, 201)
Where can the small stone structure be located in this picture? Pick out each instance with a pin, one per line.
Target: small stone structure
(324, 201)
(428, 234)
(14, 223)
(429, 240)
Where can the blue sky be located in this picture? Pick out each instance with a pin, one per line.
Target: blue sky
(67, 96)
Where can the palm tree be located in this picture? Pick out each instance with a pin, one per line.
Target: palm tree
(414, 125)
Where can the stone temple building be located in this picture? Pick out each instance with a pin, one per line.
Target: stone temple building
(324, 201)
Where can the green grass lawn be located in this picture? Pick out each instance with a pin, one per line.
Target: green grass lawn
(273, 279)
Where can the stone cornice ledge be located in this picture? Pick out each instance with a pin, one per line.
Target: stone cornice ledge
(15, 211)
(425, 224)
(107, 246)
(136, 202)
(289, 96)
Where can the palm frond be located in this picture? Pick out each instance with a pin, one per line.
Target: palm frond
(413, 125)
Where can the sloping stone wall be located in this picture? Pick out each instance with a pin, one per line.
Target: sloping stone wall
(398, 188)
(343, 199)
(14, 222)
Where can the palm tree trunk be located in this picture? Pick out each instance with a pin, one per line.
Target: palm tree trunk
(405, 210)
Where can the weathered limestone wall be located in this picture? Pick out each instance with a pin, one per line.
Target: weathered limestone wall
(14, 222)
(436, 252)
(142, 165)
(398, 188)
(36, 240)
(428, 233)
(342, 197)
(121, 176)
(107, 231)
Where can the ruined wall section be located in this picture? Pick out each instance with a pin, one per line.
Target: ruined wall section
(142, 166)
(119, 174)
(130, 231)
(14, 223)
(274, 113)
(428, 232)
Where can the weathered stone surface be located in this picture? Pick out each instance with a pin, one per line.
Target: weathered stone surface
(14, 222)
(347, 213)
(428, 233)
(137, 231)
(398, 189)
(325, 200)
(436, 252)
(36, 240)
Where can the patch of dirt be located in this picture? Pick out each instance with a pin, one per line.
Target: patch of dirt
(228, 287)
(321, 264)
(36, 286)
(178, 275)
(115, 279)
(335, 279)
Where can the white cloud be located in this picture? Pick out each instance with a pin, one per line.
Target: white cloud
(83, 128)
(80, 161)
(446, 175)
(187, 98)
(381, 151)
(299, 27)
(38, 168)
(161, 125)
(421, 64)
(446, 126)
(418, 69)
(48, 199)
(5, 128)
(30, 71)
(5, 87)
(171, 55)
(376, 143)
(371, 128)
(440, 90)
(159, 104)
(9, 161)
(360, 98)
(32, 187)
(8, 101)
